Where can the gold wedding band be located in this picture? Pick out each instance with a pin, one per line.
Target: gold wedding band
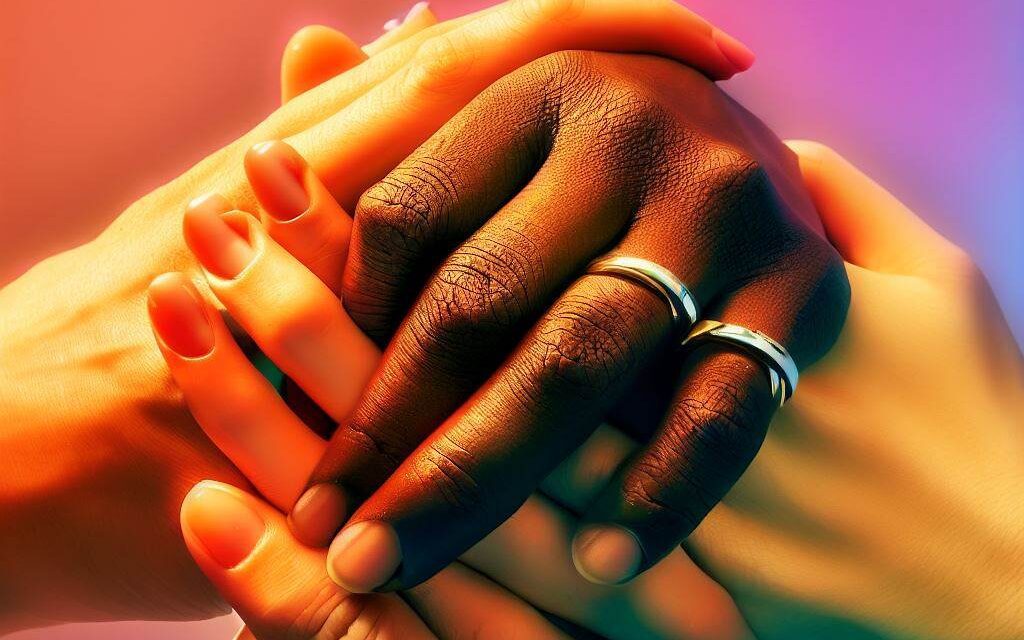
(656, 278)
(782, 371)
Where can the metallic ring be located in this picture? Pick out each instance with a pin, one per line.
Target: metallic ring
(655, 277)
(782, 371)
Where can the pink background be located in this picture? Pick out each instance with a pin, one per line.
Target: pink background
(103, 101)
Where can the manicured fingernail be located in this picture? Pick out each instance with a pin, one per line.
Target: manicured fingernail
(318, 514)
(391, 24)
(179, 317)
(364, 556)
(275, 173)
(224, 524)
(606, 554)
(735, 51)
(220, 247)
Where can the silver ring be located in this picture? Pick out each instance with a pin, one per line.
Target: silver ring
(655, 277)
(782, 371)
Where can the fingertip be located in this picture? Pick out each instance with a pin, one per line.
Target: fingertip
(364, 556)
(219, 523)
(318, 514)
(606, 554)
(276, 173)
(178, 315)
(313, 55)
(738, 54)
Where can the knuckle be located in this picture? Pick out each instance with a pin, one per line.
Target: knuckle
(441, 64)
(305, 618)
(585, 344)
(445, 469)
(396, 225)
(562, 72)
(483, 283)
(717, 414)
(668, 490)
(482, 290)
(373, 436)
(400, 212)
(736, 177)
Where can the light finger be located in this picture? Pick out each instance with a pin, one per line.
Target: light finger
(276, 584)
(294, 318)
(235, 405)
(303, 217)
(314, 55)
(866, 223)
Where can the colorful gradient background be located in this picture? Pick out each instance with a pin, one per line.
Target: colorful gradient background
(102, 101)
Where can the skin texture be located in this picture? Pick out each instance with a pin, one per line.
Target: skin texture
(507, 340)
(797, 565)
(99, 432)
(246, 418)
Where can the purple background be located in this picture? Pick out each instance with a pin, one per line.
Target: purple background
(925, 96)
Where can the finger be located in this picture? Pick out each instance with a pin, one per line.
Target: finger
(235, 405)
(456, 487)
(444, 69)
(303, 217)
(314, 55)
(530, 554)
(293, 317)
(276, 584)
(869, 227)
(715, 424)
(419, 17)
(479, 301)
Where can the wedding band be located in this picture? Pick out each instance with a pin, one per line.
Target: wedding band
(655, 277)
(782, 371)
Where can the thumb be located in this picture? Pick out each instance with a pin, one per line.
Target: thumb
(867, 224)
(277, 585)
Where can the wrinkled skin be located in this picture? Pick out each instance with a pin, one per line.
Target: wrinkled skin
(472, 248)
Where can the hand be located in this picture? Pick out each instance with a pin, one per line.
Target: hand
(243, 414)
(885, 500)
(98, 433)
(631, 155)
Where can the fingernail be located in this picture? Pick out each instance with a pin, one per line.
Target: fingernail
(224, 524)
(318, 514)
(391, 24)
(275, 173)
(220, 247)
(606, 554)
(741, 57)
(364, 556)
(179, 317)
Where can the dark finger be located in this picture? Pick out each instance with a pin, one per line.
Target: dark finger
(483, 462)
(715, 424)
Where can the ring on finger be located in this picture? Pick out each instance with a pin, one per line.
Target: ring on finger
(657, 278)
(782, 370)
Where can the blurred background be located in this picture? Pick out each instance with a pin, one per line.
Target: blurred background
(103, 101)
